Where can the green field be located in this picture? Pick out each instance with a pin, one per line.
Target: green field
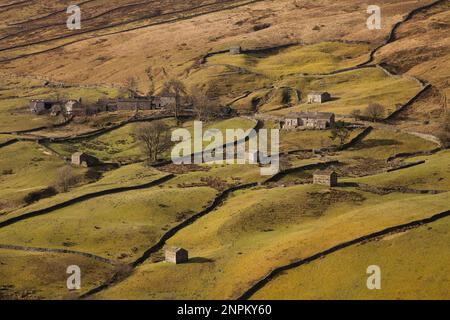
(27, 275)
(33, 170)
(434, 174)
(115, 227)
(125, 176)
(258, 230)
(414, 265)
(353, 90)
(382, 144)
(323, 57)
(17, 92)
(119, 145)
(298, 69)
(251, 231)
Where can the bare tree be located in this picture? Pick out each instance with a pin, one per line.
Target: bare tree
(65, 178)
(131, 85)
(375, 111)
(444, 134)
(340, 132)
(154, 138)
(151, 80)
(356, 114)
(204, 107)
(176, 89)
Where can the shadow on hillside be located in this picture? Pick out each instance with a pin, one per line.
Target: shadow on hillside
(200, 260)
(372, 143)
(348, 185)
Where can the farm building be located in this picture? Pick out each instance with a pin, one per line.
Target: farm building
(150, 103)
(42, 106)
(134, 104)
(84, 160)
(326, 178)
(163, 102)
(74, 108)
(318, 97)
(176, 255)
(309, 120)
(235, 50)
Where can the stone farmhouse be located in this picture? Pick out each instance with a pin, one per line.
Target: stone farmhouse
(309, 120)
(151, 103)
(74, 108)
(42, 106)
(84, 160)
(176, 255)
(318, 97)
(326, 178)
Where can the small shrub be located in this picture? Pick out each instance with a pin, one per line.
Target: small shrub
(261, 26)
(6, 172)
(38, 195)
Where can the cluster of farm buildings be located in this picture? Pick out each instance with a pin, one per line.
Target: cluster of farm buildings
(77, 108)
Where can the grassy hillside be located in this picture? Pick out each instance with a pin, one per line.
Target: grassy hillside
(290, 48)
(17, 91)
(256, 231)
(125, 176)
(120, 145)
(324, 57)
(413, 266)
(137, 221)
(33, 170)
(114, 53)
(27, 275)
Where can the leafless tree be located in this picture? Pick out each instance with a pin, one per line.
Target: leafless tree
(444, 134)
(375, 111)
(176, 89)
(131, 85)
(204, 107)
(151, 80)
(65, 178)
(154, 138)
(340, 132)
(356, 114)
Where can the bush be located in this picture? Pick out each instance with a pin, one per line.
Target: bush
(38, 195)
(7, 172)
(375, 111)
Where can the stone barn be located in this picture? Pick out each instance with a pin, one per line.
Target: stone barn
(309, 120)
(134, 104)
(318, 97)
(74, 108)
(176, 255)
(326, 178)
(42, 106)
(163, 102)
(84, 160)
(235, 50)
